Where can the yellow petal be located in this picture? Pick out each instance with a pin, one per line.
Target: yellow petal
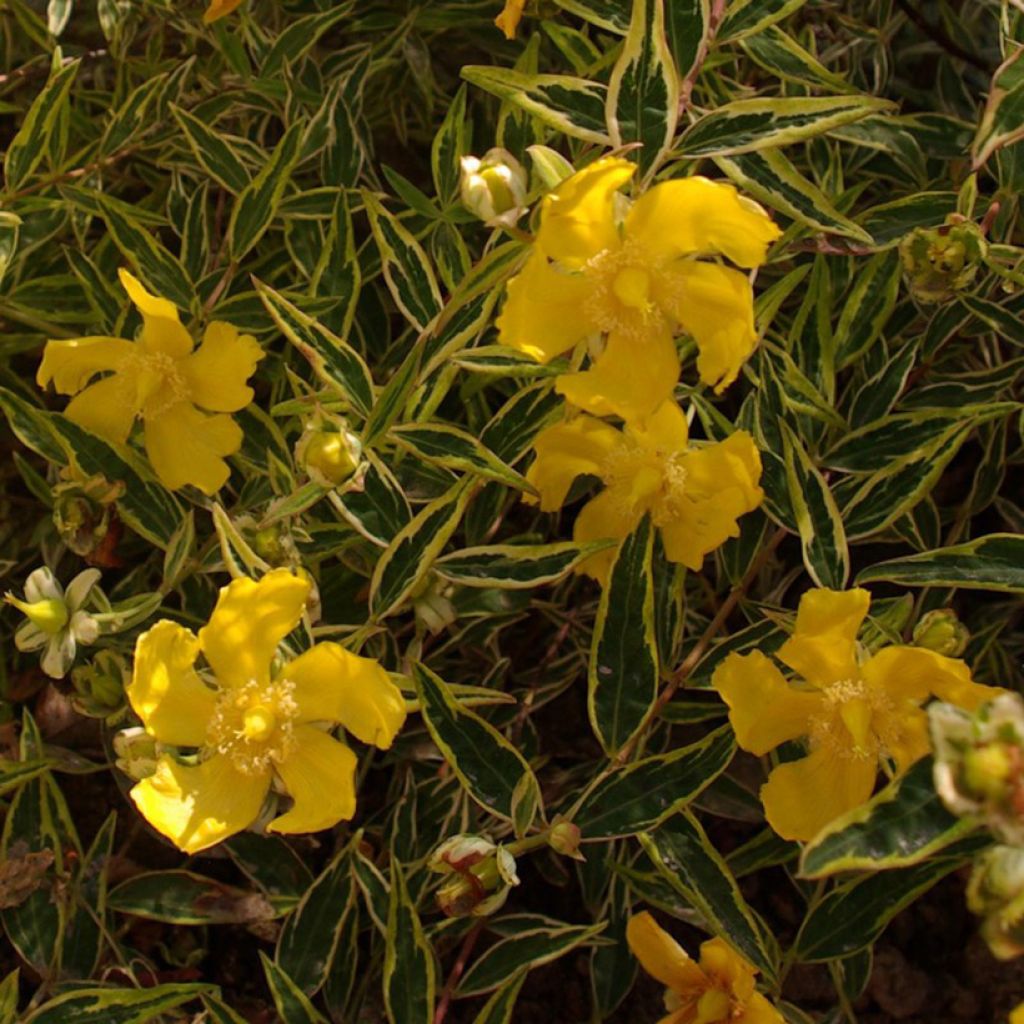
(824, 642)
(335, 685)
(320, 777)
(216, 373)
(545, 310)
(161, 329)
(567, 450)
(661, 956)
(720, 961)
(251, 618)
(631, 378)
(603, 518)
(71, 364)
(691, 215)
(715, 306)
(1017, 1015)
(665, 430)
(174, 704)
(906, 736)
(102, 409)
(764, 710)
(720, 484)
(801, 797)
(198, 807)
(578, 218)
(185, 446)
(508, 20)
(915, 673)
(218, 8)
(759, 1011)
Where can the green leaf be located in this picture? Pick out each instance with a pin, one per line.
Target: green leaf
(159, 270)
(689, 862)
(688, 23)
(256, 205)
(748, 17)
(822, 536)
(454, 448)
(1002, 121)
(293, 1006)
(747, 125)
(409, 968)
(115, 1005)
(490, 768)
(9, 997)
(780, 54)
(214, 152)
(498, 1009)
(642, 104)
(184, 897)
(309, 939)
(508, 362)
(449, 146)
(902, 825)
(852, 916)
(32, 142)
(867, 308)
(272, 864)
(771, 177)
(514, 566)
(221, 1013)
(639, 797)
(374, 503)
(406, 267)
(299, 37)
(333, 360)
(574, 106)
(521, 952)
(622, 679)
(993, 562)
(411, 554)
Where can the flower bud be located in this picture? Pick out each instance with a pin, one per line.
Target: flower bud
(494, 187)
(564, 838)
(329, 454)
(979, 763)
(433, 608)
(100, 685)
(996, 892)
(939, 262)
(942, 632)
(480, 875)
(136, 753)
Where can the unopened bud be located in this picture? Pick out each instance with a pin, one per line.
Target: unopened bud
(433, 608)
(137, 753)
(329, 456)
(939, 262)
(564, 838)
(942, 632)
(494, 187)
(99, 685)
(481, 875)
(996, 892)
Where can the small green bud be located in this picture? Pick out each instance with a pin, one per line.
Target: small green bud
(329, 454)
(564, 838)
(987, 771)
(939, 262)
(136, 753)
(481, 875)
(494, 187)
(942, 632)
(99, 685)
(996, 892)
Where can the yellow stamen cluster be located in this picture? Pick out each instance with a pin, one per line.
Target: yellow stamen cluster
(621, 301)
(253, 724)
(158, 382)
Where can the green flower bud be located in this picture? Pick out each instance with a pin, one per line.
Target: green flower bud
(939, 262)
(330, 454)
(136, 753)
(100, 685)
(564, 838)
(942, 632)
(494, 187)
(996, 892)
(480, 875)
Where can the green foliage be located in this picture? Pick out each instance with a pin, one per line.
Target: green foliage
(293, 169)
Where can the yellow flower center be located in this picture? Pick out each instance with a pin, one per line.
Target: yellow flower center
(624, 281)
(253, 725)
(853, 722)
(154, 382)
(713, 1006)
(647, 480)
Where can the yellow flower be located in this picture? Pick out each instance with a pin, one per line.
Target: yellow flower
(717, 990)
(636, 278)
(160, 378)
(253, 724)
(218, 8)
(694, 495)
(508, 20)
(854, 712)
(1017, 1015)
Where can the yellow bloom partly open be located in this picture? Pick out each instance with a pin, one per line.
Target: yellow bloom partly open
(636, 275)
(856, 713)
(219, 8)
(717, 990)
(694, 494)
(511, 15)
(253, 723)
(162, 379)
